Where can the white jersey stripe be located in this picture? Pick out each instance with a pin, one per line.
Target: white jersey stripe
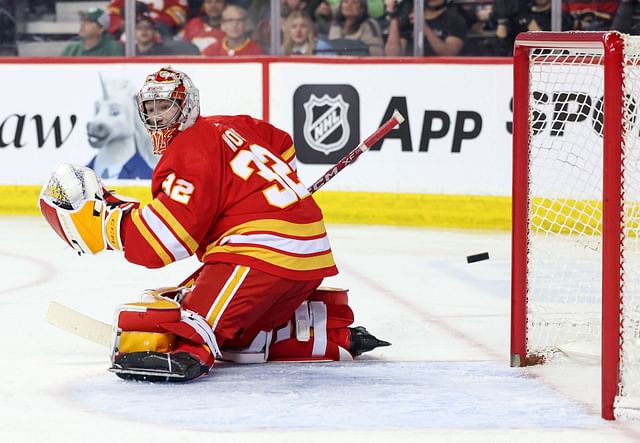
(164, 234)
(283, 244)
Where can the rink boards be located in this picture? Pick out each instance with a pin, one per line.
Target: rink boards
(448, 165)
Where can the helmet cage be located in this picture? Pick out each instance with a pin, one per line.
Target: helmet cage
(156, 114)
(176, 87)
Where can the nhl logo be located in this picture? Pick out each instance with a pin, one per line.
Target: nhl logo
(326, 122)
(326, 128)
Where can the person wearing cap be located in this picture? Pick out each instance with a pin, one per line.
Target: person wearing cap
(94, 41)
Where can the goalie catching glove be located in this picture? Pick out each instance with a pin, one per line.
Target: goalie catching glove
(81, 211)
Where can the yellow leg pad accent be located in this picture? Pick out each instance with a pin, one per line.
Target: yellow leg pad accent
(151, 301)
(134, 341)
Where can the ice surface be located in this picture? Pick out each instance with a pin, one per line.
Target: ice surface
(366, 395)
(445, 379)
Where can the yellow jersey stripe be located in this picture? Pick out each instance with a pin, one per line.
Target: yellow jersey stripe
(226, 294)
(146, 234)
(180, 231)
(279, 226)
(289, 153)
(296, 263)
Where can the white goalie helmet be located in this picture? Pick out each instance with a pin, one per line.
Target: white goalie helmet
(167, 103)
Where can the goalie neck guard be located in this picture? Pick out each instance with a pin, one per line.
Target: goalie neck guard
(167, 103)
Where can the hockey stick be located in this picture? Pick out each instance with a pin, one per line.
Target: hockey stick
(99, 332)
(395, 120)
(79, 324)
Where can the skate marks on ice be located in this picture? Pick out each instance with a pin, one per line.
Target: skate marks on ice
(362, 395)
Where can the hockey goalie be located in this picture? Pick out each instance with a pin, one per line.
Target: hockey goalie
(225, 189)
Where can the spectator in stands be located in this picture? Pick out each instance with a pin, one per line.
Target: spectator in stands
(352, 22)
(481, 30)
(235, 40)
(259, 18)
(505, 12)
(298, 36)
(445, 31)
(94, 38)
(169, 15)
(537, 17)
(323, 11)
(402, 11)
(258, 24)
(322, 14)
(627, 18)
(594, 15)
(204, 30)
(149, 41)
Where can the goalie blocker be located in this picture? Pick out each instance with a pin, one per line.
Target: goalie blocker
(157, 340)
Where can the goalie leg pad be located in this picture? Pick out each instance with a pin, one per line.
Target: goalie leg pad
(156, 340)
(138, 326)
(318, 330)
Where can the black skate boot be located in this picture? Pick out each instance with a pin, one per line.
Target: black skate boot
(158, 366)
(362, 341)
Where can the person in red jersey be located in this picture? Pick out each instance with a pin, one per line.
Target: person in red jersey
(235, 41)
(204, 30)
(225, 189)
(169, 15)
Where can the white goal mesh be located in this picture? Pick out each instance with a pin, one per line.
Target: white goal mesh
(564, 261)
(565, 193)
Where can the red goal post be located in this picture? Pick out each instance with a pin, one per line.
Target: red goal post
(576, 192)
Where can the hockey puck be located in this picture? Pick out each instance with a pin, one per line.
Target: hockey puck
(477, 257)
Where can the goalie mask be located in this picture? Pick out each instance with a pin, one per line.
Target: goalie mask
(167, 103)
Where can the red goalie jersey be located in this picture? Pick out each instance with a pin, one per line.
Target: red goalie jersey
(227, 191)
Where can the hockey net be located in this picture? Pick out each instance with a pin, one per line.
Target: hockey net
(576, 257)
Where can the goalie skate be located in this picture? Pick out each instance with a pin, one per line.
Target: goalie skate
(158, 366)
(362, 341)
